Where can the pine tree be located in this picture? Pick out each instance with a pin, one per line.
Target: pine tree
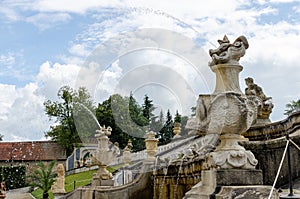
(166, 133)
(177, 117)
(148, 108)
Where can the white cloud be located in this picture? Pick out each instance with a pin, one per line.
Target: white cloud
(80, 6)
(48, 20)
(271, 58)
(10, 14)
(52, 77)
(22, 114)
(8, 95)
(7, 59)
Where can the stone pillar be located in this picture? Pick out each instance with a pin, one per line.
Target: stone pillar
(151, 146)
(227, 77)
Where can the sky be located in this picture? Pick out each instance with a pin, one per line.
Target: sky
(158, 48)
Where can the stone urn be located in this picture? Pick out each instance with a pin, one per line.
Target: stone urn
(177, 130)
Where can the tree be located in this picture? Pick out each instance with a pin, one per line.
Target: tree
(148, 108)
(43, 177)
(1, 137)
(166, 133)
(65, 132)
(292, 107)
(177, 117)
(126, 118)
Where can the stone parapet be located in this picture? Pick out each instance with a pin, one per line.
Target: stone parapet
(274, 130)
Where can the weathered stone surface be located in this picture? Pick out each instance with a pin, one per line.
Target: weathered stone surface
(205, 188)
(246, 192)
(265, 106)
(58, 186)
(226, 177)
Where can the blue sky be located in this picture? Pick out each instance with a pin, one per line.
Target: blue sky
(45, 45)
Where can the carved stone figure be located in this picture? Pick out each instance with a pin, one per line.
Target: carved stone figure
(59, 184)
(225, 114)
(265, 106)
(229, 53)
(127, 153)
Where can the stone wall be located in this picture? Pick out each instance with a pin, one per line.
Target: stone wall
(142, 187)
(174, 181)
(30, 165)
(269, 154)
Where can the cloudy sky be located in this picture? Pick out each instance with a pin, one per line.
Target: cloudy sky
(154, 47)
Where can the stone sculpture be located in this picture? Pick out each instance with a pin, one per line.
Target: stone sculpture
(103, 156)
(226, 113)
(222, 117)
(265, 106)
(228, 53)
(127, 153)
(59, 185)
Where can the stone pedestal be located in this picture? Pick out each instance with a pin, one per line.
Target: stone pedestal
(230, 184)
(227, 77)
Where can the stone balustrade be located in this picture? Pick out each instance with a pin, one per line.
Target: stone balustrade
(274, 130)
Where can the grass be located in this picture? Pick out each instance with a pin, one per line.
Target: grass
(81, 179)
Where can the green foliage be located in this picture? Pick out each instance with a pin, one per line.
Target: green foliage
(166, 133)
(292, 107)
(125, 117)
(43, 177)
(148, 108)
(13, 176)
(1, 137)
(80, 179)
(65, 132)
(177, 117)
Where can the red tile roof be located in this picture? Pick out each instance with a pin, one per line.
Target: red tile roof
(31, 151)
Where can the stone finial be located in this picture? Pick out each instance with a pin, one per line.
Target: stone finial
(151, 145)
(177, 130)
(228, 53)
(59, 185)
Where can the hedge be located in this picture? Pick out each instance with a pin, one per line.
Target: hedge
(13, 176)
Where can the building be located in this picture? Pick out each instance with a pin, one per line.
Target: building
(31, 152)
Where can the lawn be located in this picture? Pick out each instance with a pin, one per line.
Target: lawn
(79, 179)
